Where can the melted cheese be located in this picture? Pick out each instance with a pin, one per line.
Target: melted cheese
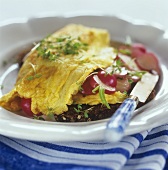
(52, 85)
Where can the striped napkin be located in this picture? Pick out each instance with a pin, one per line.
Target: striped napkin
(143, 151)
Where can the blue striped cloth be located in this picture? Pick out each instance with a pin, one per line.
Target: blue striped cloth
(143, 151)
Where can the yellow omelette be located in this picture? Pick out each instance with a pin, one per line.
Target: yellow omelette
(53, 73)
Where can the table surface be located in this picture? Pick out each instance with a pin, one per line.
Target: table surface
(153, 11)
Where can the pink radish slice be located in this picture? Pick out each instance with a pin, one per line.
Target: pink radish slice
(123, 85)
(107, 79)
(136, 52)
(26, 106)
(129, 62)
(123, 59)
(86, 88)
(139, 46)
(148, 62)
(109, 89)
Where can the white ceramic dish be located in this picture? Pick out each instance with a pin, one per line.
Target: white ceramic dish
(15, 36)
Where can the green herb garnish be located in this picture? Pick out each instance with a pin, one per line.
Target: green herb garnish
(125, 51)
(60, 46)
(116, 67)
(50, 114)
(34, 76)
(102, 97)
(126, 93)
(95, 89)
(86, 114)
(78, 109)
(137, 73)
(38, 117)
(130, 81)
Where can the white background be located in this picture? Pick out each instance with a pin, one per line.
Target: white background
(153, 11)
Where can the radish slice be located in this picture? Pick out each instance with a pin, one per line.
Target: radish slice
(136, 52)
(107, 79)
(148, 61)
(104, 86)
(26, 107)
(139, 46)
(128, 62)
(123, 85)
(86, 88)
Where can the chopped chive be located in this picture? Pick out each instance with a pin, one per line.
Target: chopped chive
(37, 75)
(125, 92)
(86, 114)
(137, 73)
(30, 78)
(116, 67)
(95, 89)
(34, 76)
(79, 106)
(125, 51)
(78, 109)
(38, 117)
(130, 81)
(51, 115)
(102, 97)
(60, 46)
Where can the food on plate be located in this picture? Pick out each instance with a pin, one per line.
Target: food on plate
(76, 75)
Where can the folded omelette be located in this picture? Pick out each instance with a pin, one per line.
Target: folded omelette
(53, 72)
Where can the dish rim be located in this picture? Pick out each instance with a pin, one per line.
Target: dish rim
(128, 20)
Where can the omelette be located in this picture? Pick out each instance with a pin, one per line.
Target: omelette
(54, 72)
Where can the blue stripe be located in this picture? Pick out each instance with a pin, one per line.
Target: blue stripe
(150, 153)
(166, 165)
(144, 169)
(129, 143)
(139, 137)
(68, 158)
(96, 143)
(117, 150)
(159, 142)
(158, 134)
(106, 143)
(160, 126)
(14, 160)
(146, 162)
